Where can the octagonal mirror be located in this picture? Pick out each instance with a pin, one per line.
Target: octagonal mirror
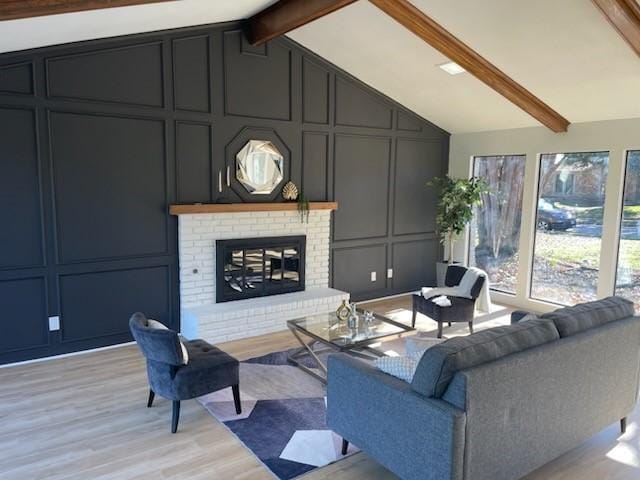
(259, 167)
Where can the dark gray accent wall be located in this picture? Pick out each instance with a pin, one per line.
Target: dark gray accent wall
(361, 174)
(128, 75)
(20, 192)
(98, 138)
(17, 79)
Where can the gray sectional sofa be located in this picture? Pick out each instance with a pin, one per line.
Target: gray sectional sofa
(497, 404)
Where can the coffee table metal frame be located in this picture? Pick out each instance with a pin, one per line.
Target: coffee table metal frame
(361, 349)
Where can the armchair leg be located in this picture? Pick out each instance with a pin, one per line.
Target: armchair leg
(176, 416)
(236, 398)
(152, 395)
(413, 318)
(471, 327)
(449, 323)
(623, 425)
(439, 329)
(345, 446)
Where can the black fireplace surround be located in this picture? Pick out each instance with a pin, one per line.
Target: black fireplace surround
(257, 267)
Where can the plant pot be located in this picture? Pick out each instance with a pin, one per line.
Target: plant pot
(441, 272)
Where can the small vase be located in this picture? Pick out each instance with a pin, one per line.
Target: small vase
(353, 317)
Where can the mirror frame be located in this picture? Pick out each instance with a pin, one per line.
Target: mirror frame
(236, 191)
(254, 146)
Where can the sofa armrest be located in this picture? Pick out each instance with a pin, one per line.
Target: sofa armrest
(414, 436)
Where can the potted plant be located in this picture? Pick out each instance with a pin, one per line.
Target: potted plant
(457, 197)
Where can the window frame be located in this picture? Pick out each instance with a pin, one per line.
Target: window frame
(627, 153)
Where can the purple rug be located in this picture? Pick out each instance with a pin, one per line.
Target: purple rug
(283, 420)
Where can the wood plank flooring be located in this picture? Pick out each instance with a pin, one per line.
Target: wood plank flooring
(85, 418)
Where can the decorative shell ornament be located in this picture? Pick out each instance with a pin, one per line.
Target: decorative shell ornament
(290, 191)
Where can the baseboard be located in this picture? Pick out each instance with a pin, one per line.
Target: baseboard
(65, 355)
(389, 297)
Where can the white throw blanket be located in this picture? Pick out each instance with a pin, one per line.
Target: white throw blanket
(442, 301)
(464, 289)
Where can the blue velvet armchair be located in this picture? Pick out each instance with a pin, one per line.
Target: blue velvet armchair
(205, 369)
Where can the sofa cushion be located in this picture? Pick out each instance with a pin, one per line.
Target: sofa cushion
(440, 363)
(572, 320)
(208, 370)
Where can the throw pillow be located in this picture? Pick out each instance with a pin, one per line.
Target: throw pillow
(161, 326)
(404, 367)
(528, 318)
(400, 367)
(420, 344)
(156, 325)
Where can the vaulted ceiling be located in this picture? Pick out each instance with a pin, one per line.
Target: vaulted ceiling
(565, 52)
(110, 22)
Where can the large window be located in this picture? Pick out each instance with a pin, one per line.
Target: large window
(566, 256)
(628, 277)
(495, 229)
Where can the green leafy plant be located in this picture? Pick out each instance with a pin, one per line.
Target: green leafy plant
(303, 207)
(457, 197)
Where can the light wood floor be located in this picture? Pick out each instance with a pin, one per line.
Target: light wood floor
(85, 418)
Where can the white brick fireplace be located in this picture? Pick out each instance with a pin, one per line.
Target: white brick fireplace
(202, 317)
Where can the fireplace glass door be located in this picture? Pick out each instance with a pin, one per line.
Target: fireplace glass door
(283, 268)
(255, 267)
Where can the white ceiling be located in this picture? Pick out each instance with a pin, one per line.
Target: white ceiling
(565, 52)
(111, 22)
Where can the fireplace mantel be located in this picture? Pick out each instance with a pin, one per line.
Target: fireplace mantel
(192, 208)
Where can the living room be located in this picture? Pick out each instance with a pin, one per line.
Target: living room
(320, 239)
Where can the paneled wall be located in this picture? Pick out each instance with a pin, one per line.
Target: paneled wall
(98, 138)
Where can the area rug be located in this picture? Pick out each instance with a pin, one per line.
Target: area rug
(283, 420)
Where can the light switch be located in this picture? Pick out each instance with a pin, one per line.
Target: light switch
(373, 276)
(389, 272)
(54, 324)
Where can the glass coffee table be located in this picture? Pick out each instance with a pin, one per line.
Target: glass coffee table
(319, 334)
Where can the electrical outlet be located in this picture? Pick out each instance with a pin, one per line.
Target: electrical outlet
(389, 272)
(374, 276)
(54, 324)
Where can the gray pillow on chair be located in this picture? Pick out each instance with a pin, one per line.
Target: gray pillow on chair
(161, 326)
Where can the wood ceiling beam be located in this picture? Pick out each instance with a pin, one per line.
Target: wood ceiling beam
(624, 16)
(287, 15)
(14, 9)
(435, 35)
